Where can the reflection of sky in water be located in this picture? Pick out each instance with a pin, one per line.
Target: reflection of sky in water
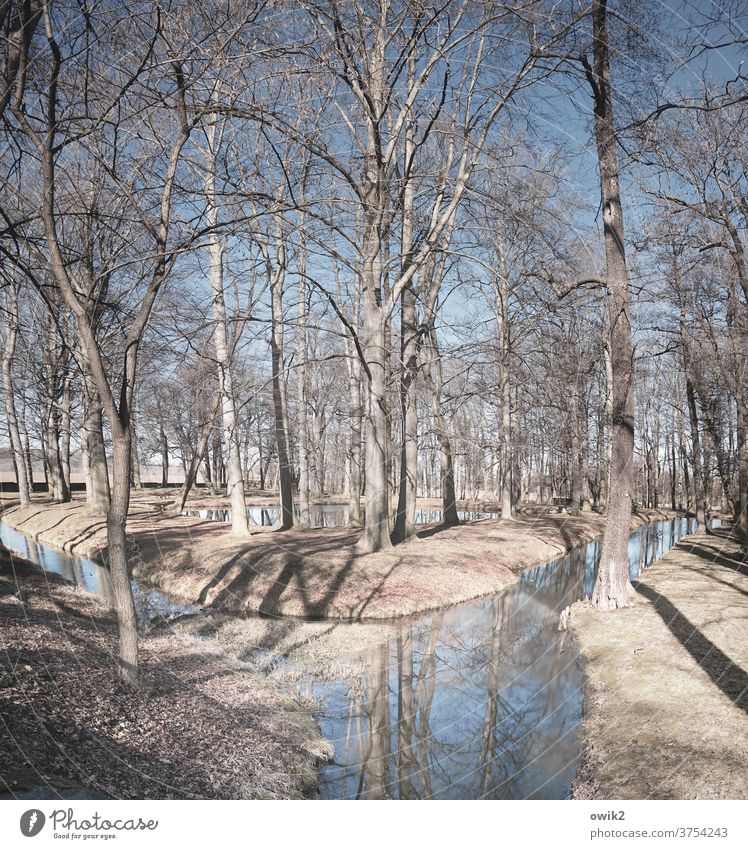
(483, 700)
(149, 603)
(324, 515)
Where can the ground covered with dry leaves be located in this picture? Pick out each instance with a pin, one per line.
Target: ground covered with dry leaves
(666, 697)
(200, 726)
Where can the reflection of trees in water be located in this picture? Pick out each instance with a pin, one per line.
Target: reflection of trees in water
(461, 707)
(411, 694)
(482, 700)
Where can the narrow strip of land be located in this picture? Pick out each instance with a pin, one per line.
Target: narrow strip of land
(666, 698)
(315, 573)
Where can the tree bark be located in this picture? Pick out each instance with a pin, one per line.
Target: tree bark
(613, 588)
(501, 285)
(285, 476)
(376, 535)
(234, 476)
(406, 506)
(432, 373)
(305, 519)
(117, 556)
(92, 437)
(9, 348)
(65, 430)
(164, 446)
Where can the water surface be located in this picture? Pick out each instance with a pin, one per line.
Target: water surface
(150, 605)
(324, 515)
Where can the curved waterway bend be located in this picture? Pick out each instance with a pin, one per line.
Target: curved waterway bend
(480, 700)
(150, 605)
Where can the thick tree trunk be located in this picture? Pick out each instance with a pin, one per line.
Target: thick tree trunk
(376, 534)
(164, 446)
(65, 428)
(117, 554)
(612, 587)
(9, 348)
(406, 507)
(24, 431)
(609, 417)
(354, 443)
(98, 494)
(698, 474)
(305, 518)
(134, 455)
(56, 485)
(97, 479)
(285, 476)
(234, 476)
(432, 374)
(355, 414)
(574, 459)
(742, 449)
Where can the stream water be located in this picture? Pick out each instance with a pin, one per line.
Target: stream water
(480, 700)
(150, 604)
(324, 515)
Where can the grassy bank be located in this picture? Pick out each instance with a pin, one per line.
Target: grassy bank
(666, 692)
(200, 726)
(317, 573)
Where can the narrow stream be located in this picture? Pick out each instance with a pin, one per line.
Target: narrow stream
(151, 606)
(480, 700)
(324, 515)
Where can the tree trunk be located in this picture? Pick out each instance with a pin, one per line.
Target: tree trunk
(505, 446)
(376, 534)
(117, 554)
(97, 478)
(65, 430)
(406, 507)
(24, 431)
(235, 476)
(742, 449)
(696, 459)
(9, 348)
(698, 474)
(432, 373)
(356, 415)
(134, 455)
(56, 485)
(612, 587)
(285, 476)
(305, 519)
(407, 491)
(164, 444)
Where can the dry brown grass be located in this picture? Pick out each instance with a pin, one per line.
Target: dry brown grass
(316, 573)
(200, 726)
(667, 689)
